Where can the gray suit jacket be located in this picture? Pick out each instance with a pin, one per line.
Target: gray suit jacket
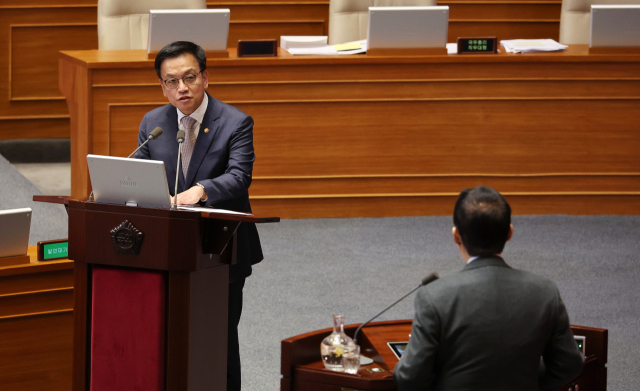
(486, 328)
(222, 161)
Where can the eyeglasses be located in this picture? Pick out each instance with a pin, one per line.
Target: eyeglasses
(187, 80)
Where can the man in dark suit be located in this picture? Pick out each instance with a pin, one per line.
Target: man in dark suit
(216, 165)
(488, 326)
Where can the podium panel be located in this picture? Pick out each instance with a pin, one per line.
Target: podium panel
(127, 329)
(151, 297)
(303, 370)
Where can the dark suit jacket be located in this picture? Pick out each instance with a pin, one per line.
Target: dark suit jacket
(485, 328)
(222, 161)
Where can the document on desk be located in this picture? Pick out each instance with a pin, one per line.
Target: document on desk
(210, 210)
(532, 45)
(332, 50)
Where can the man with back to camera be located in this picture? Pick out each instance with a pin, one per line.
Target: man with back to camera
(486, 327)
(216, 164)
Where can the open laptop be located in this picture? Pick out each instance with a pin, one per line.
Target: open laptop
(209, 28)
(407, 27)
(615, 26)
(135, 182)
(15, 225)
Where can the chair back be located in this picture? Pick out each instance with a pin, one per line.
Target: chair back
(124, 24)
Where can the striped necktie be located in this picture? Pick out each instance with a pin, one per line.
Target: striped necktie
(188, 124)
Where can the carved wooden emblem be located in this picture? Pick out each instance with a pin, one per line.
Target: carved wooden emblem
(126, 238)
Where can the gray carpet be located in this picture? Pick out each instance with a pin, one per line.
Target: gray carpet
(314, 268)
(48, 221)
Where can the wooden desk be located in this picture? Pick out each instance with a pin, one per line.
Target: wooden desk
(354, 136)
(36, 325)
(302, 369)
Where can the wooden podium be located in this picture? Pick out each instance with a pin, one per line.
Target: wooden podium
(302, 369)
(151, 295)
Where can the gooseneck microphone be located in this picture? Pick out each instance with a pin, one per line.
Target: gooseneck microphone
(427, 280)
(155, 133)
(180, 139)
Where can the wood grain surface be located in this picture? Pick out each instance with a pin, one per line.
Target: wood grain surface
(36, 324)
(354, 136)
(32, 33)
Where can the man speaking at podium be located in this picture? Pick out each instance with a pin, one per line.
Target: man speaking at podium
(217, 161)
(487, 327)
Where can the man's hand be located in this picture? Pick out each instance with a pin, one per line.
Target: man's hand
(191, 196)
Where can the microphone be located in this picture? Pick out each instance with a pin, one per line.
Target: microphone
(180, 140)
(426, 280)
(155, 133)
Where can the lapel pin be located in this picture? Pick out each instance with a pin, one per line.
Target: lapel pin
(206, 130)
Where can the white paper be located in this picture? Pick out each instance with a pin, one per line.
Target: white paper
(532, 45)
(452, 48)
(302, 41)
(328, 50)
(210, 210)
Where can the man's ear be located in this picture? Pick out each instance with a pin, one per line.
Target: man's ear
(456, 236)
(510, 232)
(205, 78)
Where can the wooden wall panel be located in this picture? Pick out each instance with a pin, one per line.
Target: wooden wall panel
(503, 29)
(514, 11)
(442, 205)
(36, 325)
(35, 126)
(280, 11)
(31, 34)
(272, 30)
(504, 19)
(435, 137)
(35, 352)
(399, 185)
(34, 57)
(123, 122)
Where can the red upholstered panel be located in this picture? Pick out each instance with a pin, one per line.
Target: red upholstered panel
(127, 330)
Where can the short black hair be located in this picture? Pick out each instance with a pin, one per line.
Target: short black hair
(177, 49)
(483, 219)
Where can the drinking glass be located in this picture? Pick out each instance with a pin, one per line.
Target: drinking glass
(351, 359)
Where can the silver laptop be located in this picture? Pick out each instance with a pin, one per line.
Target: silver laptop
(209, 28)
(15, 225)
(135, 182)
(407, 27)
(615, 25)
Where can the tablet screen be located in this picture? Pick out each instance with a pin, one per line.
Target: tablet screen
(398, 348)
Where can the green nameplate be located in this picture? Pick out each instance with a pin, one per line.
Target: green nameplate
(53, 249)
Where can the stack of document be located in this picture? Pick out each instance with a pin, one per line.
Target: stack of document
(302, 41)
(532, 45)
(345, 48)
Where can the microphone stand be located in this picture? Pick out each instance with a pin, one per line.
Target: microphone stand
(180, 139)
(428, 279)
(141, 145)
